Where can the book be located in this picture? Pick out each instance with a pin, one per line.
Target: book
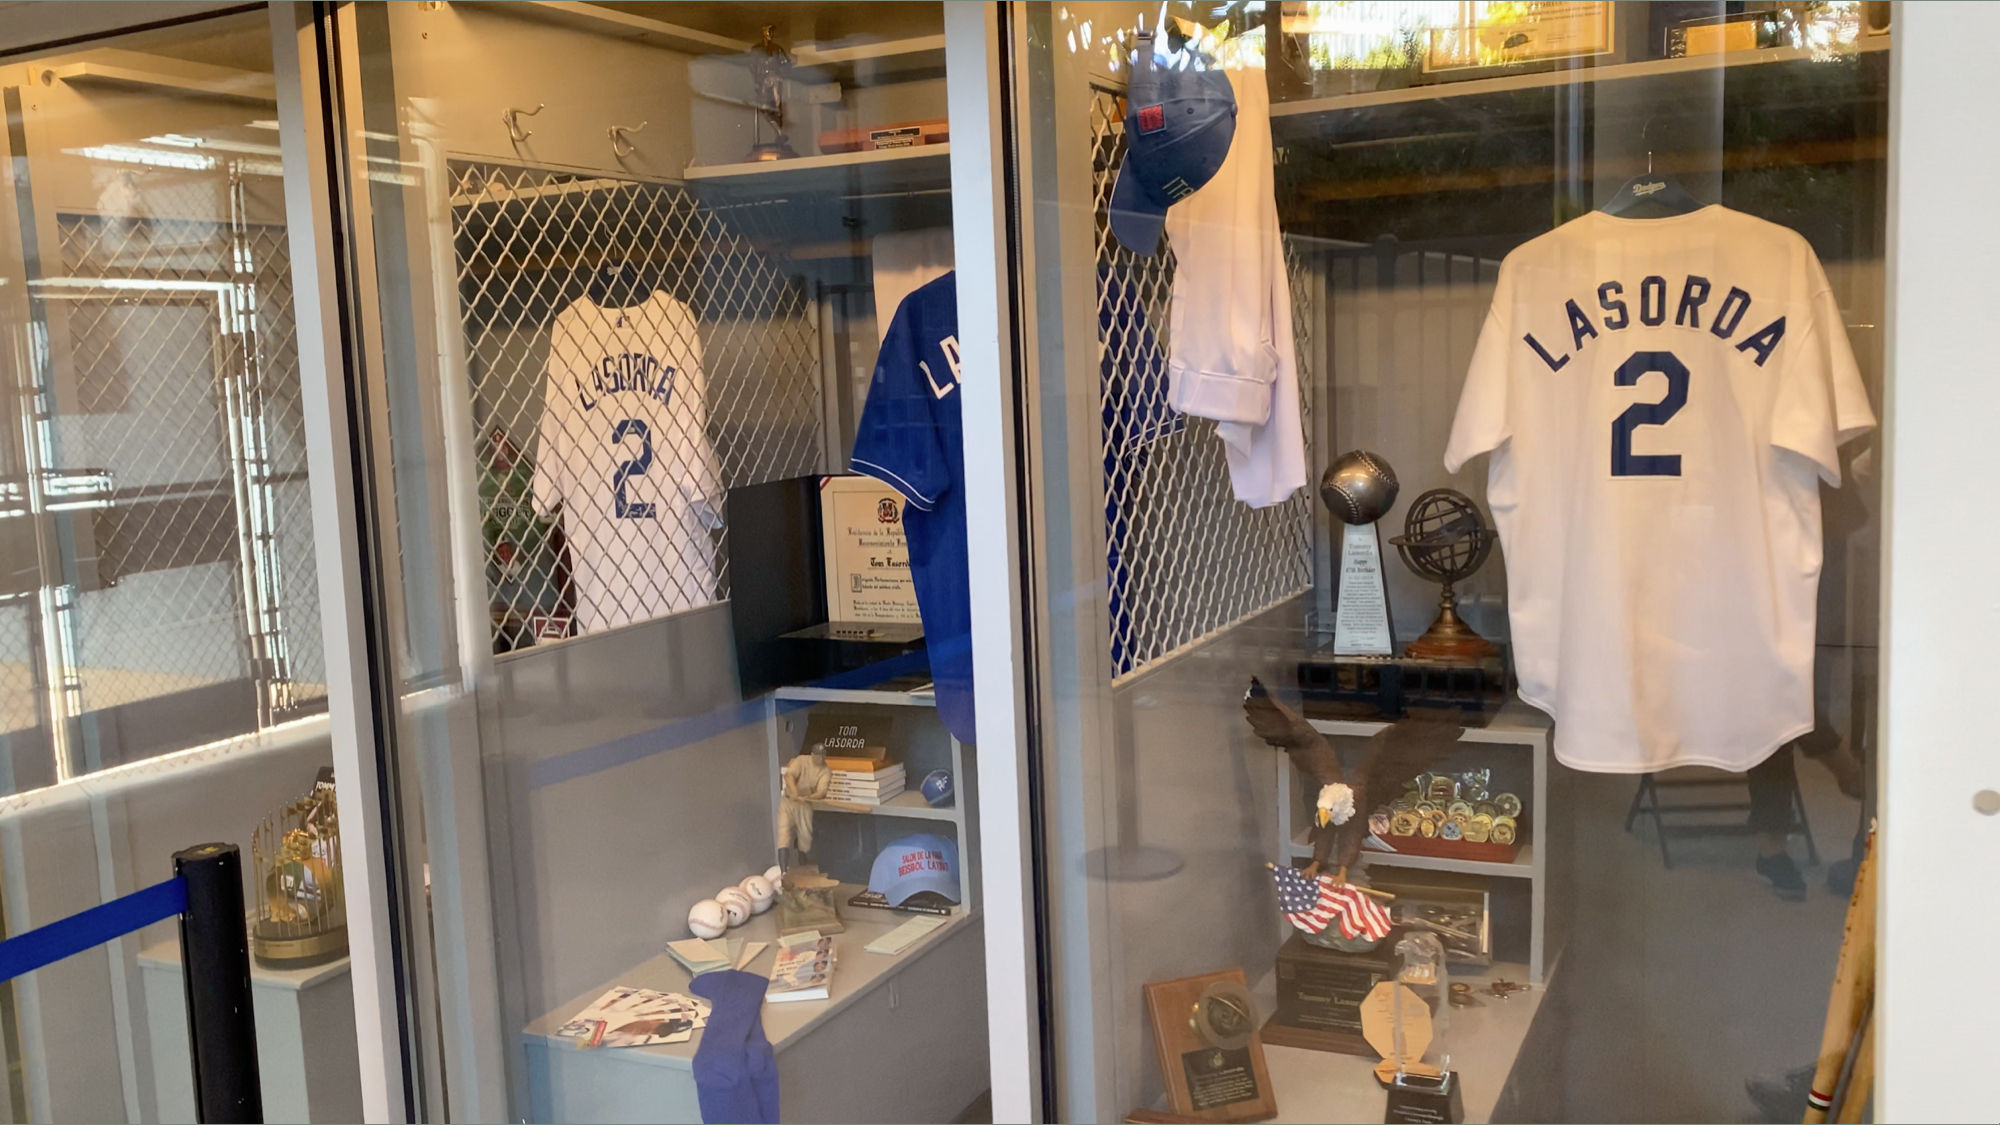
(698, 956)
(923, 902)
(881, 798)
(888, 790)
(803, 969)
(904, 936)
(870, 767)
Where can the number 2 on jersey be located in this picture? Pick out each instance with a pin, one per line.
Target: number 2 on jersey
(1624, 462)
(627, 509)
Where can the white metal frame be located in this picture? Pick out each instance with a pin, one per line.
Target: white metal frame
(975, 91)
(324, 361)
(1935, 1003)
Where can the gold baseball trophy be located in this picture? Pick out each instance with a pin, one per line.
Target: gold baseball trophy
(301, 914)
(1445, 540)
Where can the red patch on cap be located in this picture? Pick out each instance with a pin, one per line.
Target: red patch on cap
(1152, 118)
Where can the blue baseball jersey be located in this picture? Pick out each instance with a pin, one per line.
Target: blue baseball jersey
(911, 439)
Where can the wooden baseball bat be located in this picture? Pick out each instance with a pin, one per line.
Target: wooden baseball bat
(1853, 989)
(1861, 1080)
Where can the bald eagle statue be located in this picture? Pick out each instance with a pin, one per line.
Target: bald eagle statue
(1392, 757)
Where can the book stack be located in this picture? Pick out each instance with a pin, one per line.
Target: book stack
(803, 969)
(864, 781)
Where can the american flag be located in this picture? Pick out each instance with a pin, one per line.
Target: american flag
(1311, 904)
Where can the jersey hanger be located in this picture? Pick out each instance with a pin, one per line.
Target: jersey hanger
(617, 285)
(1651, 195)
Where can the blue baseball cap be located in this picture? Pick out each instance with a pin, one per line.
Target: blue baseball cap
(913, 864)
(1178, 124)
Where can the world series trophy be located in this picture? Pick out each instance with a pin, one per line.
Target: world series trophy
(1358, 488)
(770, 63)
(301, 913)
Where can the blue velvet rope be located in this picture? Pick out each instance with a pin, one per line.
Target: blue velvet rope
(65, 937)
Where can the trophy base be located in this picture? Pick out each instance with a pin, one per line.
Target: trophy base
(299, 952)
(770, 150)
(1422, 1098)
(1466, 649)
(1450, 638)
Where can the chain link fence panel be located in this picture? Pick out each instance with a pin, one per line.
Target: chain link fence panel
(1185, 559)
(181, 398)
(735, 326)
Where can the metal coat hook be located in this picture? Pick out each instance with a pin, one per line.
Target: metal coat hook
(621, 138)
(512, 119)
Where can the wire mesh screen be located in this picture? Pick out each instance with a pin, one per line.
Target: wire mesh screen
(181, 421)
(1184, 558)
(631, 356)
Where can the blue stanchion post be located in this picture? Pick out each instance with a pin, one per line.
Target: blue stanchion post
(215, 954)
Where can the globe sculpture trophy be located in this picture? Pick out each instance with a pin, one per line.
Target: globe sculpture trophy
(1358, 488)
(1446, 540)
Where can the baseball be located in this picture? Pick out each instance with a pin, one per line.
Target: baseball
(1359, 487)
(776, 875)
(735, 903)
(707, 919)
(760, 891)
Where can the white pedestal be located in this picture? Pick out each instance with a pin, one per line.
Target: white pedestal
(306, 1055)
(901, 1038)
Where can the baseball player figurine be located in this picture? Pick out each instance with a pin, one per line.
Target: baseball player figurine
(806, 779)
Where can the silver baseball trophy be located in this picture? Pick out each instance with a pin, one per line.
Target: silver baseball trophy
(1359, 488)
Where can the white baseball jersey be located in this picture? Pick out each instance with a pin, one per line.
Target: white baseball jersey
(625, 455)
(1662, 398)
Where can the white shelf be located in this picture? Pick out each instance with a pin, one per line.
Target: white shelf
(917, 52)
(1522, 867)
(197, 80)
(1486, 1047)
(1516, 725)
(886, 169)
(800, 693)
(612, 21)
(1560, 76)
(905, 805)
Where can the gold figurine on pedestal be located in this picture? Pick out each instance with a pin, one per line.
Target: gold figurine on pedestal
(301, 913)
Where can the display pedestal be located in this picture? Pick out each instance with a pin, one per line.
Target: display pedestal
(900, 1038)
(306, 1055)
(1495, 1046)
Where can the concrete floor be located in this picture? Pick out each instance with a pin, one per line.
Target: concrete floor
(1676, 985)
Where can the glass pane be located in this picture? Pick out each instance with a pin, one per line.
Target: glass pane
(161, 669)
(634, 269)
(1455, 501)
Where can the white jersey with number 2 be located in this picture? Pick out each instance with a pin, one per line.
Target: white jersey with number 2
(624, 453)
(1661, 398)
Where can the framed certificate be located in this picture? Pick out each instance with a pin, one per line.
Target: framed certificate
(867, 557)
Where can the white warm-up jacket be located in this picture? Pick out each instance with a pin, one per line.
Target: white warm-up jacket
(1232, 353)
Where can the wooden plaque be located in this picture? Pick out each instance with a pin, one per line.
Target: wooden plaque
(1207, 1079)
